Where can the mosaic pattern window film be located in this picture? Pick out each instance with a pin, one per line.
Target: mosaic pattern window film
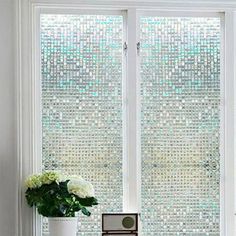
(180, 125)
(81, 64)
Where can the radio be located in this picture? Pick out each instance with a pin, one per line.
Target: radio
(120, 224)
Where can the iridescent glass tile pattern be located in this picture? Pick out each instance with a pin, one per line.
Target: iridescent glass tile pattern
(180, 125)
(81, 63)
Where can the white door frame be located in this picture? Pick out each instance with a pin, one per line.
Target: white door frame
(29, 137)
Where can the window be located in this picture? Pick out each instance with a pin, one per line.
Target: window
(81, 66)
(137, 102)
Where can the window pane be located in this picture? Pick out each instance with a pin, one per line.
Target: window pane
(81, 63)
(180, 125)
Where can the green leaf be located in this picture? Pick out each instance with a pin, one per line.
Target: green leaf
(85, 211)
(88, 202)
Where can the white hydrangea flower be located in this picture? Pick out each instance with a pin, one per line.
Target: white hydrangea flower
(81, 188)
(51, 176)
(33, 181)
(62, 178)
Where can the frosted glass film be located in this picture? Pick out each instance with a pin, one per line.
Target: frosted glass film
(81, 64)
(180, 125)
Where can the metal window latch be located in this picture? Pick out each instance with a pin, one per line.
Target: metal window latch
(125, 47)
(138, 47)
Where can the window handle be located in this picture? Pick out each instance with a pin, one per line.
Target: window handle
(138, 47)
(125, 48)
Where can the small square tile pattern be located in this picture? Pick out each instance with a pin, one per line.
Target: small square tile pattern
(180, 125)
(81, 59)
(81, 66)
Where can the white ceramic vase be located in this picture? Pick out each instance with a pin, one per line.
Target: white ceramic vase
(62, 226)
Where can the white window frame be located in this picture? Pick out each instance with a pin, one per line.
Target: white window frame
(28, 107)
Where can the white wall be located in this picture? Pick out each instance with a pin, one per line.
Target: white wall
(8, 157)
(7, 120)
